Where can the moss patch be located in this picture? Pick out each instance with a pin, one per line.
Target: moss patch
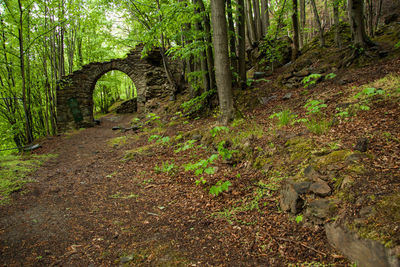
(14, 170)
(300, 148)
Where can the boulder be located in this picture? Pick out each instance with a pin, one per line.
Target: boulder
(321, 188)
(289, 199)
(364, 252)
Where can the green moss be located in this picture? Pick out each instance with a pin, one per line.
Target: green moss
(14, 170)
(357, 169)
(332, 158)
(117, 141)
(140, 151)
(300, 148)
(382, 224)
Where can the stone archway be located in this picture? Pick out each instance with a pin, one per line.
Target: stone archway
(75, 91)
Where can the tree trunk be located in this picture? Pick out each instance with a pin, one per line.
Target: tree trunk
(222, 71)
(264, 17)
(250, 23)
(232, 39)
(295, 22)
(257, 19)
(241, 43)
(336, 22)
(209, 52)
(203, 58)
(357, 26)
(28, 128)
(318, 22)
(302, 22)
(165, 59)
(378, 14)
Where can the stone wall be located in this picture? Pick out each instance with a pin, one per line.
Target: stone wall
(75, 91)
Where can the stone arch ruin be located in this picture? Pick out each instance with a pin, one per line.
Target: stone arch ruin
(75, 91)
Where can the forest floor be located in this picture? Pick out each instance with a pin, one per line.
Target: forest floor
(118, 198)
(89, 208)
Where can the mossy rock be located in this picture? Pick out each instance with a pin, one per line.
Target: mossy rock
(300, 148)
(141, 151)
(334, 157)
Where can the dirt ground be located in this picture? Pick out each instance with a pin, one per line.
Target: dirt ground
(90, 208)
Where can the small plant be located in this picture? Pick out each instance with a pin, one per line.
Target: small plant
(197, 103)
(343, 113)
(330, 76)
(311, 79)
(159, 139)
(369, 93)
(166, 167)
(397, 45)
(185, 146)
(225, 152)
(314, 106)
(152, 117)
(214, 131)
(284, 117)
(299, 218)
(202, 167)
(318, 126)
(365, 95)
(219, 187)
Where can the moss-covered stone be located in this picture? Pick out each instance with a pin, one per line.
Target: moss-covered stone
(332, 158)
(300, 148)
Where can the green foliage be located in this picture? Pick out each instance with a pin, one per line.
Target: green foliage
(159, 139)
(217, 129)
(369, 92)
(225, 152)
(166, 167)
(366, 95)
(397, 45)
(220, 187)
(330, 76)
(299, 218)
(153, 118)
(284, 117)
(311, 79)
(197, 103)
(202, 167)
(314, 106)
(185, 146)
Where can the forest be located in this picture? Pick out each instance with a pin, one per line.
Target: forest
(271, 137)
(42, 41)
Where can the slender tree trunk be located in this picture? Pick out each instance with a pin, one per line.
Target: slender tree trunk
(250, 23)
(241, 43)
(336, 22)
(165, 59)
(257, 19)
(318, 22)
(28, 128)
(209, 52)
(232, 39)
(222, 71)
(295, 22)
(264, 17)
(370, 18)
(378, 14)
(203, 58)
(302, 23)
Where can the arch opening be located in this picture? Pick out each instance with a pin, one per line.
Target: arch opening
(111, 88)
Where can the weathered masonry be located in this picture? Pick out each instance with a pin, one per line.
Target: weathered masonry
(75, 91)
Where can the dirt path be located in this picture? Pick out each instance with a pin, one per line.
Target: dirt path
(90, 208)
